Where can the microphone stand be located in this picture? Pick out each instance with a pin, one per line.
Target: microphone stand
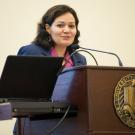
(120, 63)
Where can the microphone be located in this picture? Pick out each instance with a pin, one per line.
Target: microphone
(76, 46)
(72, 50)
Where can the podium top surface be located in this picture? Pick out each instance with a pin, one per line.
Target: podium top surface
(99, 68)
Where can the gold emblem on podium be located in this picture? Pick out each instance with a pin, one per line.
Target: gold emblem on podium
(124, 100)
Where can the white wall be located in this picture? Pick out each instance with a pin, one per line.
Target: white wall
(104, 24)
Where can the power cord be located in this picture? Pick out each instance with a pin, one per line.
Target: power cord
(59, 122)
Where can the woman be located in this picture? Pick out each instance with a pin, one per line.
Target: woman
(57, 31)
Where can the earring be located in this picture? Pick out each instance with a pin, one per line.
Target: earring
(50, 39)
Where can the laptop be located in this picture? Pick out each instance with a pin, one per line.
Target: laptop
(28, 82)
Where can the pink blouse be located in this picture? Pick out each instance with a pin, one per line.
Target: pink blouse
(67, 58)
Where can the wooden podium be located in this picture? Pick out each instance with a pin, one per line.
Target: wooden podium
(92, 89)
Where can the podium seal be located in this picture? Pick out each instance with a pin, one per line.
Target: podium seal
(124, 100)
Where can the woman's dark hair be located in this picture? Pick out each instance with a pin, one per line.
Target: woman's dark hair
(43, 38)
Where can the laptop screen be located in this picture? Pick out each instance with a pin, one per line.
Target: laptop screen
(29, 77)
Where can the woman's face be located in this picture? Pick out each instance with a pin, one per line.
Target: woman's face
(63, 30)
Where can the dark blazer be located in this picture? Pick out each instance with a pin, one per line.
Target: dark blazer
(37, 127)
(33, 49)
